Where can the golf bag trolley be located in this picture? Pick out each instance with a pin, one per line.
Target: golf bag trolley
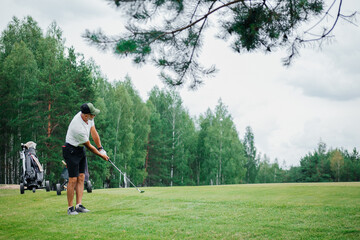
(32, 176)
(65, 176)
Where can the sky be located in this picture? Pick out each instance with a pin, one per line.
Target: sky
(290, 109)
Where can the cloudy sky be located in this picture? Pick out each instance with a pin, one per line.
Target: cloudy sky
(289, 109)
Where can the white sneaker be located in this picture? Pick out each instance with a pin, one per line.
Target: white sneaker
(71, 211)
(82, 209)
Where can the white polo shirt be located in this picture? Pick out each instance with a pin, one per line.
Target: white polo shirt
(78, 132)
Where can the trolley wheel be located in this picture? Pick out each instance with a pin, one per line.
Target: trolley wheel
(22, 189)
(47, 186)
(34, 189)
(88, 186)
(58, 189)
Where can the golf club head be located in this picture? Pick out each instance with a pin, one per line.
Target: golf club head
(142, 191)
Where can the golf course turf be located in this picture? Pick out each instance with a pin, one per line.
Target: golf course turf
(249, 211)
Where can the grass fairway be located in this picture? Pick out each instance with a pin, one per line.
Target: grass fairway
(260, 211)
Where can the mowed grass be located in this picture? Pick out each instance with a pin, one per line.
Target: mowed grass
(259, 211)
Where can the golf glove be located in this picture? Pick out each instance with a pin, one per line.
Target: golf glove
(103, 152)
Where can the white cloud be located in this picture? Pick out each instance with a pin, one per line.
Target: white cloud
(332, 73)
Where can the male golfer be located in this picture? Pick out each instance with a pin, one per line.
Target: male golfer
(77, 137)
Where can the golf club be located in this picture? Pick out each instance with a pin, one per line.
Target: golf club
(140, 191)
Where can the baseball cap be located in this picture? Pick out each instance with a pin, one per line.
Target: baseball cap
(89, 108)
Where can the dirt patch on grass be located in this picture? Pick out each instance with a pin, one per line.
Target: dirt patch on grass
(9, 186)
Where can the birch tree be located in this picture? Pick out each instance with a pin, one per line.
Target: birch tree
(337, 163)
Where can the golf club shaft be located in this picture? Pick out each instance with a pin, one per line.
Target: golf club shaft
(124, 175)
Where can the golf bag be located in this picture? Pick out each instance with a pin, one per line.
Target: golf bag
(32, 177)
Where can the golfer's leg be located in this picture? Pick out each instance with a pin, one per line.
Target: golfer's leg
(80, 188)
(70, 190)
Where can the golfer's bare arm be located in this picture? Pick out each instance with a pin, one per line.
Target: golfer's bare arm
(94, 150)
(95, 136)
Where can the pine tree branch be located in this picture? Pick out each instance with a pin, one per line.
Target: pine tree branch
(196, 41)
(326, 33)
(193, 23)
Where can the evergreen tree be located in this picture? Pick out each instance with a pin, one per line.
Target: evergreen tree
(120, 131)
(186, 154)
(170, 154)
(141, 129)
(351, 168)
(221, 153)
(42, 88)
(208, 162)
(252, 160)
(294, 174)
(202, 151)
(20, 80)
(316, 166)
(264, 173)
(156, 159)
(160, 139)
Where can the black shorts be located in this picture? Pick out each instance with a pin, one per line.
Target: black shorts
(75, 159)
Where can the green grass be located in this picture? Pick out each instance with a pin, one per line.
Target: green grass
(260, 211)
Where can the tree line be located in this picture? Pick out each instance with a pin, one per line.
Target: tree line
(155, 142)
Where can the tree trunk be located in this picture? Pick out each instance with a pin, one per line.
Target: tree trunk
(125, 179)
(173, 147)
(49, 120)
(198, 175)
(5, 166)
(146, 159)
(220, 163)
(116, 136)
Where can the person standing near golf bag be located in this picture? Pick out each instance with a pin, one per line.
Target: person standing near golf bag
(77, 138)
